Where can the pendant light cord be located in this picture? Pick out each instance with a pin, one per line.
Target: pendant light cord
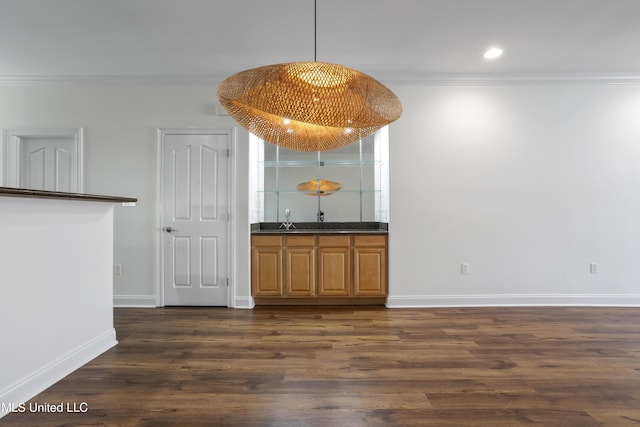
(315, 30)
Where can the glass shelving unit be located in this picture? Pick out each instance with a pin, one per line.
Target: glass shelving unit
(361, 169)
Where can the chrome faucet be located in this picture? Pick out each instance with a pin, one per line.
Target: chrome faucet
(287, 224)
(320, 216)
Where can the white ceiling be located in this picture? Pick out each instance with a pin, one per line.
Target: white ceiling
(389, 39)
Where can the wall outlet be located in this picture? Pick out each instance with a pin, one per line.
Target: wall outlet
(464, 268)
(593, 268)
(117, 269)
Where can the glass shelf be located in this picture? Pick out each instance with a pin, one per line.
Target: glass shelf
(315, 163)
(303, 193)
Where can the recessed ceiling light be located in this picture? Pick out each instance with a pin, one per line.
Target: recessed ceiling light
(493, 53)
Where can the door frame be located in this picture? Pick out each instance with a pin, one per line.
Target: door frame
(231, 226)
(10, 152)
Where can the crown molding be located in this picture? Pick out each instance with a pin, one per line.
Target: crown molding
(434, 79)
(516, 79)
(115, 80)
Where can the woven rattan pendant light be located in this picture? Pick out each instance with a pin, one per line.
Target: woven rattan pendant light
(308, 106)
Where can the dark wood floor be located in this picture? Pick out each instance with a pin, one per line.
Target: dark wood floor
(359, 367)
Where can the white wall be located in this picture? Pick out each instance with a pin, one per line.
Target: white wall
(528, 184)
(120, 131)
(56, 280)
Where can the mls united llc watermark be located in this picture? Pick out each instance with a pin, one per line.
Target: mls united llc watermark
(32, 407)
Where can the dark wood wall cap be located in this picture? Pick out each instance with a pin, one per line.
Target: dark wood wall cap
(41, 194)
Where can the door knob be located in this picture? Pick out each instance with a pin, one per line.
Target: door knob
(169, 230)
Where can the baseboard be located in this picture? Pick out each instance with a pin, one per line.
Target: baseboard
(244, 302)
(406, 301)
(53, 372)
(417, 301)
(149, 301)
(142, 301)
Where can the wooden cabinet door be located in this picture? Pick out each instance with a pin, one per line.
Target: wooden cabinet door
(370, 266)
(266, 266)
(300, 266)
(334, 261)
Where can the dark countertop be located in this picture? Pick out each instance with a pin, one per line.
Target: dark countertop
(322, 228)
(41, 194)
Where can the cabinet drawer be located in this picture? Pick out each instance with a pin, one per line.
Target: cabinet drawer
(370, 240)
(308, 241)
(266, 240)
(334, 241)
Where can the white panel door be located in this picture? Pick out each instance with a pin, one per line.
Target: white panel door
(195, 212)
(48, 164)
